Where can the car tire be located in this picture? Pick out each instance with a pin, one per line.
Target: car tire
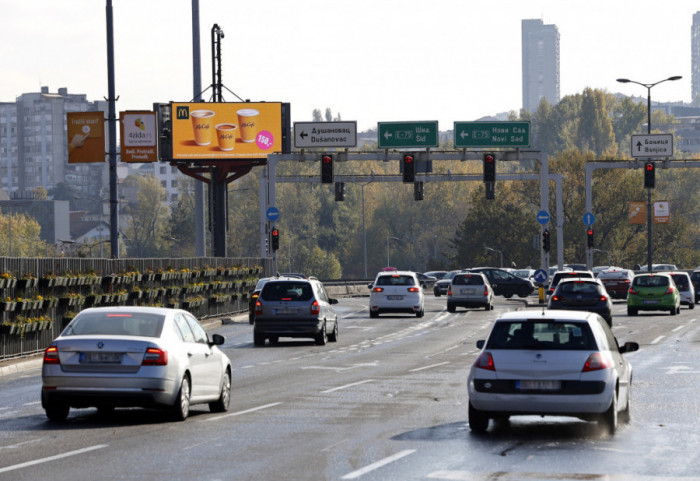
(322, 337)
(673, 311)
(624, 416)
(258, 339)
(609, 418)
(221, 404)
(333, 336)
(251, 318)
(478, 420)
(451, 307)
(373, 314)
(631, 311)
(437, 293)
(507, 296)
(609, 320)
(488, 307)
(691, 306)
(57, 412)
(420, 313)
(181, 407)
(524, 292)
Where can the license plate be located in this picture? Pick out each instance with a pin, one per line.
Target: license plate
(395, 298)
(285, 311)
(650, 301)
(467, 292)
(538, 385)
(101, 357)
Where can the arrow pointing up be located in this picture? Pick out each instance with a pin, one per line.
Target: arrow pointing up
(639, 146)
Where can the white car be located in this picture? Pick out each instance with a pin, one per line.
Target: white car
(469, 289)
(561, 363)
(685, 288)
(397, 291)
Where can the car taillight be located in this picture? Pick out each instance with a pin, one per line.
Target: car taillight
(669, 291)
(315, 308)
(378, 289)
(51, 355)
(414, 289)
(155, 357)
(486, 292)
(255, 295)
(485, 361)
(633, 291)
(556, 298)
(597, 361)
(258, 308)
(449, 292)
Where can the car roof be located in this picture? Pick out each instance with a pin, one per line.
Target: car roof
(593, 280)
(396, 273)
(163, 311)
(548, 314)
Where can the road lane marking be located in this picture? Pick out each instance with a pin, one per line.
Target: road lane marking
(428, 367)
(238, 413)
(657, 340)
(678, 328)
(378, 464)
(51, 458)
(347, 386)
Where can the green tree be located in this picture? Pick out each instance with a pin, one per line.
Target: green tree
(147, 230)
(21, 233)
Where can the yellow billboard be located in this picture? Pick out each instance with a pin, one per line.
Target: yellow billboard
(86, 137)
(638, 213)
(224, 131)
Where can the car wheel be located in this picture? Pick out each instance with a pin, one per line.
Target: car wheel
(322, 337)
(492, 308)
(251, 318)
(420, 313)
(673, 311)
(609, 417)
(478, 420)
(181, 408)
(678, 309)
(488, 307)
(274, 340)
(691, 306)
(437, 293)
(373, 314)
(258, 339)
(631, 311)
(333, 336)
(524, 292)
(451, 307)
(507, 296)
(221, 404)
(57, 411)
(609, 320)
(624, 415)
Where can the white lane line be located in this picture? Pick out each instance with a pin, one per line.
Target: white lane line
(378, 464)
(51, 458)
(238, 413)
(657, 340)
(428, 367)
(678, 328)
(347, 386)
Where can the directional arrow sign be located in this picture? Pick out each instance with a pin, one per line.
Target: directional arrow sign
(407, 134)
(492, 134)
(325, 134)
(652, 145)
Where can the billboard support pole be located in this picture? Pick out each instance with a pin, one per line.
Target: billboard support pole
(112, 119)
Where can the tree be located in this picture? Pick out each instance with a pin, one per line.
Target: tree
(146, 233)
(22, 233)
(595, 130)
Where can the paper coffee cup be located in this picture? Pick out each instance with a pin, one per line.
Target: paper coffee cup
(226, 136)
(248, 123)
(203, 126)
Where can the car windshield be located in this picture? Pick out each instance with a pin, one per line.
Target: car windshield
(578, 288)
(468, 281)
(650, 281)
(395, 280)
(287, 291)
(542, 335)
(116, 323)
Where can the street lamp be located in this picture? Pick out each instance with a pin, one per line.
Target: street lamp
(603, 252)
(648, 87)
(388, 264)
(495, 250)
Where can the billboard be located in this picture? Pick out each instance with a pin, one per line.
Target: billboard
(86, 137)
(139, 139)
(226, 131)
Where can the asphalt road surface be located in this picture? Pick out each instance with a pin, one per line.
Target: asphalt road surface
(386, 402)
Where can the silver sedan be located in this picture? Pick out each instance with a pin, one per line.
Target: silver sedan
(134, 357)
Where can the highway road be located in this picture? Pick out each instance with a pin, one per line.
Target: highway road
(386, 402)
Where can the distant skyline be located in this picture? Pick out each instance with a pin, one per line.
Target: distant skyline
(368, 60)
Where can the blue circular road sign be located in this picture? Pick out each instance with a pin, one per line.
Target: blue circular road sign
(273, 213)
(588, 218)
(543, 217)
(540, 276)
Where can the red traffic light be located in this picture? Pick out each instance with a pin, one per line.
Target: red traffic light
(489, 158)
(408, 159)
(327, 159)
(275, 233)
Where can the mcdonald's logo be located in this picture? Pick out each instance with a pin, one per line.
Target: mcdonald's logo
(183, 112)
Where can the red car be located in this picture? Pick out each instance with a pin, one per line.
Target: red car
(617, 281)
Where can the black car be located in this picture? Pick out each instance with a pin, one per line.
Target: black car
(426, 282)
(506, 284)
(441, 286)
(582, 294)
(695, 279)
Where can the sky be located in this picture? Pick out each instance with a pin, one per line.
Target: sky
(367, 60)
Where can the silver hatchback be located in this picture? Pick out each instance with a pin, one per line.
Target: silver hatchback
(469, 290)
(294, 307)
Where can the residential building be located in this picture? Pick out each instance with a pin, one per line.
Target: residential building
(540, 63)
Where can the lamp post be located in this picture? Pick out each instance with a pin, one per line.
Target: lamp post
(603, 252)
(388, 264)
(495, 250)
(648, 87)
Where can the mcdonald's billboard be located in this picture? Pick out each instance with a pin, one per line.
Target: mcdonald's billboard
(86, 137)
(224, 131)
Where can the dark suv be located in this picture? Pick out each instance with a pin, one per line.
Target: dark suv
(294, 307)
(695, 279)
(504, 283)
(559, 275)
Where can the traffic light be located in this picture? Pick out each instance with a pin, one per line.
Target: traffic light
(489, 168)
(649, 175)
(275, 239)
(409, 168)
(326, 169)
(545, 240)
(339, 191)
(589, 237)
(418, 191)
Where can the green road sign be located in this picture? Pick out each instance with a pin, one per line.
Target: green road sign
(492, 134)
(407, 134)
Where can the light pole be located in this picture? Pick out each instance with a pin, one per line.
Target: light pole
(603, 252)
(364, 232)
(388, 264)
(495, 250)
(648, 87)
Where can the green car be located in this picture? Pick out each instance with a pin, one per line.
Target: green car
(653, 292)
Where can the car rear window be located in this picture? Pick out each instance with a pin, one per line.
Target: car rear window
(650, 281)
(578, 288)
(286, 291)
(396, 280)
(681, 282)
(113, 323)
(468, 281)
(542, 335)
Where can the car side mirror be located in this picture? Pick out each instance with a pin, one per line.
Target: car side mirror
(629, 347)
(217, 340)
(480, 343)
(369, 286)
(332, 301)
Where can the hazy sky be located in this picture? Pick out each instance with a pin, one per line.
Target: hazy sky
(369, 60)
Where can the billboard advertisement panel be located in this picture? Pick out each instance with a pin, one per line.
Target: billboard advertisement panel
(226, 131)
(138, 136)
(86, 137)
